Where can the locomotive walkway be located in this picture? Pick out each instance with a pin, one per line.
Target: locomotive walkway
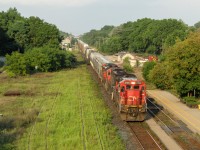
(191, 117)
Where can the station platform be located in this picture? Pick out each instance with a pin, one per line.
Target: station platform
(190, 116)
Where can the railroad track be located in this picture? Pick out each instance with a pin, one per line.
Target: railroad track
(173, 126)
(47, 122)
(49, 118)
(82, 116)
(169, 124)
(33, 127)
(123, 127)
(97, 129)
(143, 136)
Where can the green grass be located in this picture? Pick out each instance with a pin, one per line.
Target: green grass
(61, 110)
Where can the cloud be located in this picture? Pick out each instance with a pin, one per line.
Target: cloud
(68, 3)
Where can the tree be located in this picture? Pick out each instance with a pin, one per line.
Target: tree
(20, 34)
(42, 33)
(197, 25)
(142, 36)
(112, 45)
(185, 57)
(180, 69)
(161, 76)
(148, 66)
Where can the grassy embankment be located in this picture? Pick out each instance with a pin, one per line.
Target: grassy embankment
(60, 110)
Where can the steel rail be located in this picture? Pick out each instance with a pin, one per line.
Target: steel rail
(176, 123)
(97, 129)
(148, 133)
(81, 115)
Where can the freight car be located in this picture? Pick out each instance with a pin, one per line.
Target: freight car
(127, 92)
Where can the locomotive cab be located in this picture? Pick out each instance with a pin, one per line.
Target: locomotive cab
(132, 100)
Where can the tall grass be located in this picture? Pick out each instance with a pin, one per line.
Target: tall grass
(59, 99)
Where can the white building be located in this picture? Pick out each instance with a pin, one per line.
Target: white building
(66, 43)
(132, 58)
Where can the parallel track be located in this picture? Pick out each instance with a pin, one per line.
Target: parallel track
(35, 122)
(97, 129)
(173, 127)
(82, 117)
(167, 123)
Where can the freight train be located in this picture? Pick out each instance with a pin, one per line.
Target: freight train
(127, 92)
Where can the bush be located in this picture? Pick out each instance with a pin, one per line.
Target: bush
(42, 59)
(127, 66)
(16, 64)
(191, 101)
(148, 66)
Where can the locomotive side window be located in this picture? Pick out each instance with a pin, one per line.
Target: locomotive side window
(142, 88)
(128, 87)
(122, 89)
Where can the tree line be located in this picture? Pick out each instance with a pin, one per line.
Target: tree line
(179, 69)
(28, 38)
(176, 44)
(141, 36)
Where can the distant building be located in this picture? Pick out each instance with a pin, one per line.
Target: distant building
(66, 43)
(132, 58)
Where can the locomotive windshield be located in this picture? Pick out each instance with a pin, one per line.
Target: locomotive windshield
(132, 87)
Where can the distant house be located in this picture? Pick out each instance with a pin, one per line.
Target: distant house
(66, 43)
(132, 58)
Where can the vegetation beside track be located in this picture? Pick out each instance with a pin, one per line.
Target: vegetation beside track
(60, 110)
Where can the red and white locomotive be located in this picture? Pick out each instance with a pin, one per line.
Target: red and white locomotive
(128, 93)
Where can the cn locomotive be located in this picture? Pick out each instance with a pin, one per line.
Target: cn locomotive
(127, 92)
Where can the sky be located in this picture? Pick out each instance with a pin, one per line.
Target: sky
(81, 16)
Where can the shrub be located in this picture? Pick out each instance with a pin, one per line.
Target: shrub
(127, 66)
(148, 66)
(191, 101)
(49, 59)
(16, 64)
(44, 59)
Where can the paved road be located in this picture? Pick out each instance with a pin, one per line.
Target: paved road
(191, 117)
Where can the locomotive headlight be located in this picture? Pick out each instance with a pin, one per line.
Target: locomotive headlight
(132, 82)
